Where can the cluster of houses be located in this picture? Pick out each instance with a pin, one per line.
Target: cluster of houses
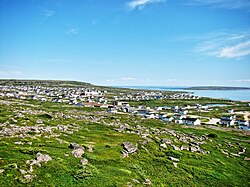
(55, 94)
(179, 116)
(91, 97)
(153, 95)
(231, 120)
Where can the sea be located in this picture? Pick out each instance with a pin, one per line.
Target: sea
(240, 95)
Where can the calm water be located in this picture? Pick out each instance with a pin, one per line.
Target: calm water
(225, 94)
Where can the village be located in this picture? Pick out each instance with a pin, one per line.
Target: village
(119, 103)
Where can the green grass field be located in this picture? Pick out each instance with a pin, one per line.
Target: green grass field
(106, 167)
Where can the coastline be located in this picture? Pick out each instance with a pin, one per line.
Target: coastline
(235, 95)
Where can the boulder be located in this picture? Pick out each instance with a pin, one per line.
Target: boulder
(43, 157)
(78, 152)
(128, 147)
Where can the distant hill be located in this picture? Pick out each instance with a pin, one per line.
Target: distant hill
(217, 88)
(48, 83)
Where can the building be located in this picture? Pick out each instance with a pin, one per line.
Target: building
(191, 121)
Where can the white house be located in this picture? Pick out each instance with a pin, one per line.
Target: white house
(242, 122)
(183, 112)
(228, 117)
(191, 121)
(227, 122)
(168, 119)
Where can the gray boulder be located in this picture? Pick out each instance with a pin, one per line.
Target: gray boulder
(129, 147)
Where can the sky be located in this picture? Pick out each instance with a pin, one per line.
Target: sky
(127, 42)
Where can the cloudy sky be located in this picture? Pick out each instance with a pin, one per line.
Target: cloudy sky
(127, 42)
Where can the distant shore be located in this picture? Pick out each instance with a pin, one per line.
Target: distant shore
(216, 88)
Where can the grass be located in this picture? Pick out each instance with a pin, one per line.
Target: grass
(106, 167)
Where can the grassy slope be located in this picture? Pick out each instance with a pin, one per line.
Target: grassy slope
(106, 167)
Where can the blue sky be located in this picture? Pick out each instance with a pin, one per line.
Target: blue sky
(127, 42)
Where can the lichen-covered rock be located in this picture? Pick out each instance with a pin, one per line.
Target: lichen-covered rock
(43, 157)
(129, 147)
(78, 152)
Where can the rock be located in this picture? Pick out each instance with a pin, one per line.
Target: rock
(136, 181)
(157, 138)
(90, 148)
(166, 141)
(23, 172)
(175, 164)
(78, 152)
(28, 177)
(242, 151)
(75, 146)
(129, 147)
(39, 159)
(194, 149)
(43, 157)
(224, 152)
(31, 169)
(145, 141)
(1, 171)
(59, 140)
(147, 182)
(175, 148)
(164, 145)
(184, 147)
(84, 161)
(124, 154)
(18, 143)
(246, 158)
(235, 154)
(174, 159)
(39, 121)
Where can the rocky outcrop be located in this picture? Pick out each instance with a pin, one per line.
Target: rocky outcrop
(78, 150)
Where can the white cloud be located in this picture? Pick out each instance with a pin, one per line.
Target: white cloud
(47, 13)
(225, 4)
(122, 79)
(225, 45)
(140, 4)
(71, 31)
(128, 78)
(239, 50)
